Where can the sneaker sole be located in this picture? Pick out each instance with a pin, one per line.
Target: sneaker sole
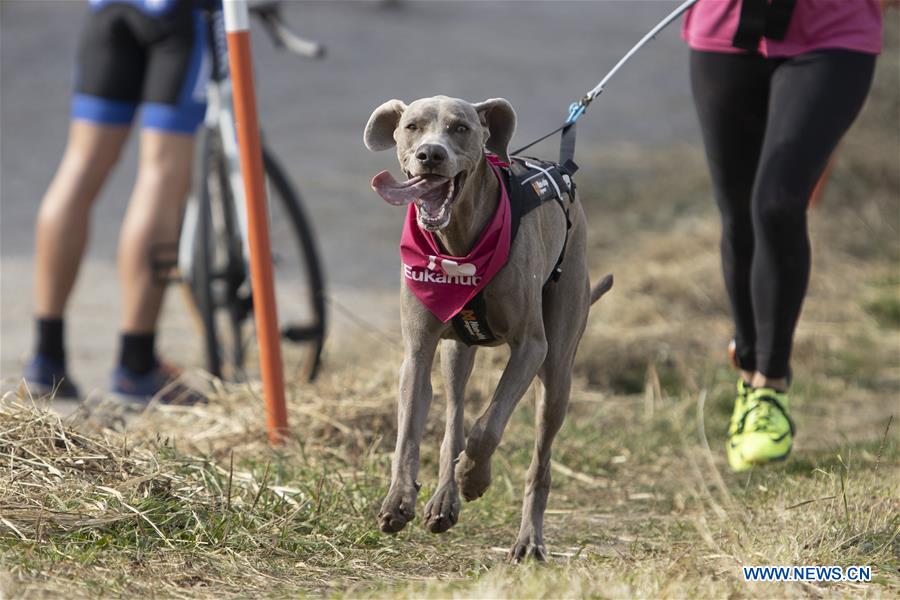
(758, 463)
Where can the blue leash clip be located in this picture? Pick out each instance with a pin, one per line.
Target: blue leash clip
(576, 109)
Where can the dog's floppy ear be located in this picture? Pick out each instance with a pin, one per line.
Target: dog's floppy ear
(380, 128)
(498, 116)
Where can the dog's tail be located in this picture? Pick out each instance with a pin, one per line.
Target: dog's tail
(601, 288)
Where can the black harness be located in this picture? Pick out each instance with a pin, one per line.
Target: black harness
(530, 182)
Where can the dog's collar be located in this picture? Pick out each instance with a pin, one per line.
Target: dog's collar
(495, 160)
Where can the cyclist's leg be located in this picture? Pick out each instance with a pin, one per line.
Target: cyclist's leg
(107, 90)
(63, 219)
(153, 221)
(173, 108)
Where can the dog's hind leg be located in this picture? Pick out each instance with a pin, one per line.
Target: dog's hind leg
(442, 511)
(473, 469)
(549, 415)
(399, 507)
(565, 316)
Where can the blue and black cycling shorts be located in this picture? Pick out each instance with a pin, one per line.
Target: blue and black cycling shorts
(151, 54)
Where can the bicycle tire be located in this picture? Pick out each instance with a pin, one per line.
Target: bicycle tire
(313, 332)
(201, 279)
(218, 260)
(221, 273)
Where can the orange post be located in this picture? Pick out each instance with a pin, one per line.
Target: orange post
(241, 65)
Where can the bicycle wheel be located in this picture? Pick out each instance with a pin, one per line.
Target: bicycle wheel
(299, 281)
(223, 290)
(220, 276)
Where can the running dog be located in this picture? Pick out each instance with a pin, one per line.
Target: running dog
(454, 193)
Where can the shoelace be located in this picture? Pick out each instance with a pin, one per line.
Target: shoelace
(762, 415)
(762, 411)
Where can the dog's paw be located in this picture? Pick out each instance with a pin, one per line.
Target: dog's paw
(397, 510)
(474, 478)
(442, 511)
(527, 549)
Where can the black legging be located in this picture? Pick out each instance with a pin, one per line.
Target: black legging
(769, 127)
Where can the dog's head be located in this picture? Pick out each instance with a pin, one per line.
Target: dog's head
(439, 141)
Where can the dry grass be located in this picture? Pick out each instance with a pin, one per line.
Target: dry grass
(642, 509)
(192, 502)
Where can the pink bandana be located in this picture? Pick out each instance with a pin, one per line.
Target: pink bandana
(445, 284)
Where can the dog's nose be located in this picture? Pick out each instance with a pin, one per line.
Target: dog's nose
(431, 155)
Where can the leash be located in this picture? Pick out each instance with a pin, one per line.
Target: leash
(576, 109)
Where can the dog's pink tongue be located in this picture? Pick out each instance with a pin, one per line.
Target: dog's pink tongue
(401, 193)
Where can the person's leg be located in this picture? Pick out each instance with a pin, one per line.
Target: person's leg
(64, 216)
(731, 96)
(153, 221)
(108, 74)
(60, 240)
(814, 99)
(172, 108)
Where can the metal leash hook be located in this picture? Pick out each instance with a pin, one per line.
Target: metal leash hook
(576, 109)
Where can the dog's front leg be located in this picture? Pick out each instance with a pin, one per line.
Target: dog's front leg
(473, 470)
(399, 507)
(457, 359)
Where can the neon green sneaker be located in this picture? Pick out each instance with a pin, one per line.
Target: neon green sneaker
(761, 429)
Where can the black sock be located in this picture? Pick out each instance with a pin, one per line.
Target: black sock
(138, 352)
(50, 339)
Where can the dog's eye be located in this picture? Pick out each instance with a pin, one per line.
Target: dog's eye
(411, 126)
(461, 128)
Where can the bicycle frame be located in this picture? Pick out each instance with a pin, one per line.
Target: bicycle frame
(219, 117)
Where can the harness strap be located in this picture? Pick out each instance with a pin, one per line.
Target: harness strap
(471, 325)
(752, 24)
(760, 19)
(529, 183)
(557, 268)
(779, 18)
(539, 140)
(567, 149)
(566, 146)
(546, 173)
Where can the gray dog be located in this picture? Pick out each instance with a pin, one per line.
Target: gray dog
(441, 146)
